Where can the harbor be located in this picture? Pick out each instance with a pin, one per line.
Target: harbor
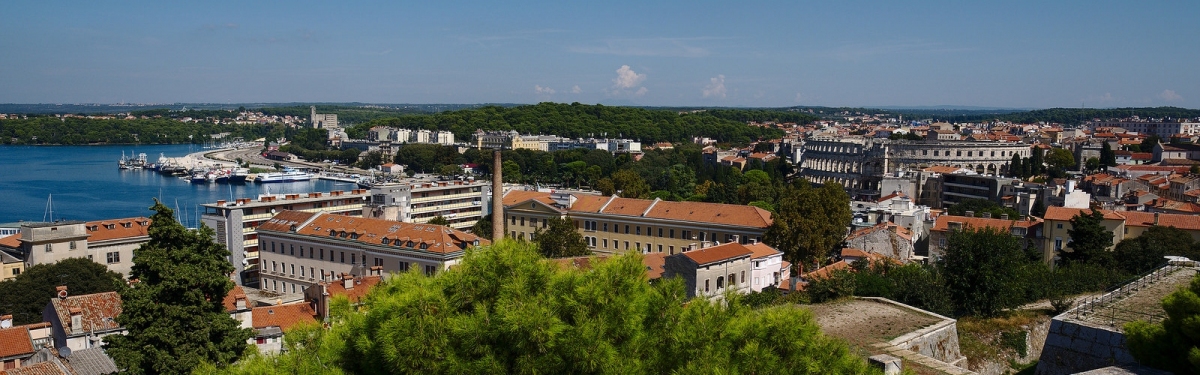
(86, 186)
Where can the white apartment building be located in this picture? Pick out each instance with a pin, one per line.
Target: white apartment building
(461, 202)
(236, 223)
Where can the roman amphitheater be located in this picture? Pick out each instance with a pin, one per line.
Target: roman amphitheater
(860, 163)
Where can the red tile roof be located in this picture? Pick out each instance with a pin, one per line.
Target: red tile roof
(827, 271)
(943, 223)
(40, 368)
(282, 316)
(701, 212)
(718, 253)
(655, 263)
(15, 341)
(762, 250)
(362, 285)
(230, 300)
(98, 310)
(12, 242)
(138, 227)
(1064, 214)
(437, 239)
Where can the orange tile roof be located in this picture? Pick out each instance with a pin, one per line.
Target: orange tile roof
(718, 253)
(99, 310)
(12, 242)
(762, 250)
(943, 223)
(943, 169)
(282, 316)
(827, 271)
(230, 301)
(40, 368)
(138, 227)
(362, 285)
(852, 252)
(440, 239)
(518, 196)
(628, 207)
(589, 203)
(718, 213)
(655, 263)
(1065, 214)
(15, 341)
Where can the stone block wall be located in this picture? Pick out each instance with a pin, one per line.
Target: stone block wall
(1073, 347)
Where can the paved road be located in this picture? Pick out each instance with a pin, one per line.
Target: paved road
(255, 159)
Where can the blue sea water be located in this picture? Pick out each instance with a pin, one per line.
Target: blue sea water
(87, 185)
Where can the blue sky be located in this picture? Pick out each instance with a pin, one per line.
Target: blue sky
(695, 53)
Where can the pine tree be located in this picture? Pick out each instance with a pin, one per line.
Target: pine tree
(1089, 239)
(1036, 165)
(1014, 167)
(174, 312)
(1108, 158)
(810, 222)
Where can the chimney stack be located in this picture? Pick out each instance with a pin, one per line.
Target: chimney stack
(62, 291)
(969, 213)
(347, 281)
(1156, 218)
(497, 198)
(376, 270)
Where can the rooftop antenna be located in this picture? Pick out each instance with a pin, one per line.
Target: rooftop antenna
(49, 209)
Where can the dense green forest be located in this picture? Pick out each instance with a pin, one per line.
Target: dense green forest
(579, 120)
(48, 130)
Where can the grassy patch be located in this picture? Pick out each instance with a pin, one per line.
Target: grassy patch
(997, 339)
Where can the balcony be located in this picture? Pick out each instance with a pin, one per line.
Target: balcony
(443, 207)
(435, 198)
(347, 207)
(249, 243)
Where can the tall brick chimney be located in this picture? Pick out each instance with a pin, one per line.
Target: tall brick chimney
(497, 198)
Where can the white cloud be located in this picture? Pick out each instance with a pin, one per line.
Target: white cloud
(543, 90)
(627, 78)
(1170, 96)
(576, 90)
(715, 88)
(641, 91)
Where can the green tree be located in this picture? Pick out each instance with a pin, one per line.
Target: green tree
(1060, 158)
(1148, 144)
(1037, 165)
(559, 239)
(981, 269)
(174, 313)
(450, 170)
(371, 160)
(1146, 251)
(504, 309)
(1108, 158)
(439, 220)
(1174, 344)
(1194, 169)
(1089, 239)
(810, 222)
(1092, 164)
(26, 296)
(512, 171)
(483, 227)
(1015, 169)
(630, 184)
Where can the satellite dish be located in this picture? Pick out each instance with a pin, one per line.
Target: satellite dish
(62, 294)
(64, 352)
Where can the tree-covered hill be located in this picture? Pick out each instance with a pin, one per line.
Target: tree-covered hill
(580, 120)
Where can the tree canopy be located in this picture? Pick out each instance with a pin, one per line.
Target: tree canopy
(810, 222)
(979, 206)
(1147, 251)
(505, 309)
(174, 312)
(559, 239)
(26, 296)
(982, 267)
(1090, 240)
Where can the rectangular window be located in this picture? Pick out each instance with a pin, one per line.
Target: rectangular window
(48, 248)
(292, 250)
(706, 285)
(403, 266)
(512, 220)
(301, 251)
(522, 221)
(72, 245)
(302, 272)
(660, 248)
(533, 222)
(322, 254)
(672, 234)
(671, 250)
(353, 258)
(113, 257)
(274, 266)
(626, 245)
(294, 270)
(660, 232)
(1057, 243)
(639, 231)
(605, 242)
(626, 228)
(687, 234)
(343, 256)
(430, 270)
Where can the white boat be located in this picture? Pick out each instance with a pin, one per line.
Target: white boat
(288, 175)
